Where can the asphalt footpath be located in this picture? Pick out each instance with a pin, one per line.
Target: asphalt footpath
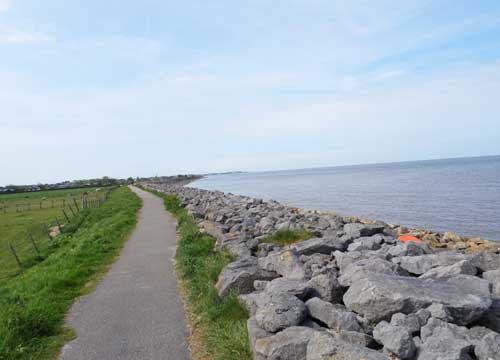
(135, 312)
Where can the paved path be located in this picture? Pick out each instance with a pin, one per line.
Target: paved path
(135, 312)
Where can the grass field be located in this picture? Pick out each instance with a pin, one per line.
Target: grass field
(220, 324)
(17, 221)
(33, 304)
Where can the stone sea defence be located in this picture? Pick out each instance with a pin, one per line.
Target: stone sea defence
(352, 291)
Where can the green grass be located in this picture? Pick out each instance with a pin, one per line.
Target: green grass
(286, 237)
(222, 321)
(16, 225)
(33, 304)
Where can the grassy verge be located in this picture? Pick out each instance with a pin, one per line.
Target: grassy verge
(286, 237)
(33, 305)
(221, 323)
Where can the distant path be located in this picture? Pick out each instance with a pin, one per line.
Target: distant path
(135, 313)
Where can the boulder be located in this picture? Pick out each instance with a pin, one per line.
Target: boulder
(365, 267)
(486, 261)
(357, 230)
(356, 338)
(327, 288)
(290, 344)
(488, 347)
(286, 263)
(421, 264)
(441, 340)
(323, 346)
(253, 301)
(298, 288)
(410, 249)
(318, 246)
(280, 312)
(367, 243)
(377, 297)
(335, 316)
(239, 276)
(344, 259)
(493, 277)
(395, 339)
(255, 332)
(464, 267)
(491, 318)
(411, 323)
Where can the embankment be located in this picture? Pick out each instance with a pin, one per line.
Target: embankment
(352, 289)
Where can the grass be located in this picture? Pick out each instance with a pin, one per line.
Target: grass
(286, 237)
(16, 225)
(221, 323)
(33, 305)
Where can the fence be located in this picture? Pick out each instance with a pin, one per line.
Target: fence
(21, 253)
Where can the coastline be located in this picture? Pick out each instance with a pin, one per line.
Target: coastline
(349, 288)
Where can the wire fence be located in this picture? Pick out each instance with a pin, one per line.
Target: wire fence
(18, 254)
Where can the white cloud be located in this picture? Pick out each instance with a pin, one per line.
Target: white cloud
(13, 36)
(4, 4)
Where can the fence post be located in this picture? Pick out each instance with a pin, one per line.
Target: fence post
(66, 216)
(34, 244)
(13, 251)
(47, 231)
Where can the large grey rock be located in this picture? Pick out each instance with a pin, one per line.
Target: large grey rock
(395, 339)
(488, 347)
(410, 249)
(411, 323)
(253, 301)
(286, 263)
(357, 230)
(367, 243)
(377, 297)
(318, 245)
(255, 332)
(326, 287)
(486, 261)
(365, 267)
(441, 340)
(491, 318)
(344, 259)
(335, 316)
(281, 312)
(239, 276)
(356, 338)
(298, 288)
(464, 267)
(290, 344)
(493, 277)
(421, 264)
(323, 346)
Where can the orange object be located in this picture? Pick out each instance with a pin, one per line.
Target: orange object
(406, 238)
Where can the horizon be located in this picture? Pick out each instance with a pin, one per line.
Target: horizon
(230, 172)
(119, 89)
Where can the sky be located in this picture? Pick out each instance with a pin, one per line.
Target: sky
(124, 88)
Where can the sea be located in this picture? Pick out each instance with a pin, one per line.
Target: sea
(460, 195)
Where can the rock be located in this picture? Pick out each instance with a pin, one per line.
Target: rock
(410, 249)
(357, 230)
(396, 339)
(441, 340)
(365, 267)
(486, 261)
(327, 288)
(290, 344)
(464, 267)
(491, 318)
(488, 347)
(493, 277)
(440, 311)
(323, 346)
(367, 243)
(251, 302)
(298, 288)
(378, 296)
(240, 275)
(421, 264)
(411, 323)
(318, 245)
(255, 332)
(335, 316)
(356, 338)
(260, 285)
(281, 312)
(345, 259)
(286, 263)
(450, 237)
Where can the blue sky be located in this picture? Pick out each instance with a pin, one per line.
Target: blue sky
(135, 88)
